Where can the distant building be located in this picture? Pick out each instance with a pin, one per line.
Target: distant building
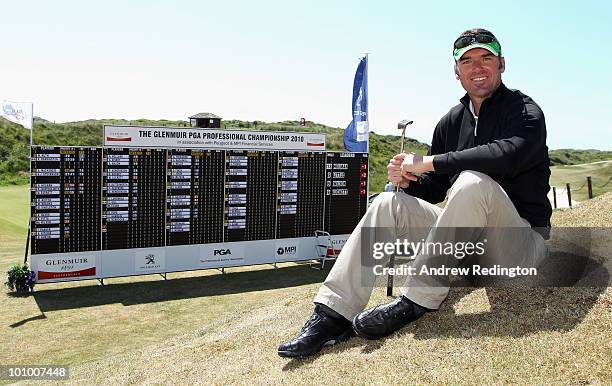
(205, 120)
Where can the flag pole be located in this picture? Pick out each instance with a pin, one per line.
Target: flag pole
(367, 70)
(27, 247)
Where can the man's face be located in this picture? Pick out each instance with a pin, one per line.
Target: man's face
(479, 72)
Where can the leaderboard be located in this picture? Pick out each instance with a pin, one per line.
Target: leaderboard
(346, 191)
(195, 186)
(65, 197)
(86, 199)
(250, 182)
(134, 197)
(300, 196)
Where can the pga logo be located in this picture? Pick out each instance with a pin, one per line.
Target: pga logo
(213, 255)
(289, 250)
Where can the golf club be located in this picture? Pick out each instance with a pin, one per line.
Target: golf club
(401, 125)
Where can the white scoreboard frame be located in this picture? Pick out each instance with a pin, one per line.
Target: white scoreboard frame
(75, 266)
(61, 267)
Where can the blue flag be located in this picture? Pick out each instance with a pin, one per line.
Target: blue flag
(356, 133)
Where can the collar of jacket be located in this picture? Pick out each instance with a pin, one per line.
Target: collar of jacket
(465, 101)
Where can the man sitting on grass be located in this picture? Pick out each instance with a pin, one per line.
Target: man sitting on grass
(490, 151)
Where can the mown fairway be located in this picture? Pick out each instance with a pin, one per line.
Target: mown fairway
(575, 175)
(14, 213)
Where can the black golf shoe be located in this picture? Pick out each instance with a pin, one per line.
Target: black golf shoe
(324, 327)
(385, 319)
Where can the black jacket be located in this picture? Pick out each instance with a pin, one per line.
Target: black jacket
(510, 147)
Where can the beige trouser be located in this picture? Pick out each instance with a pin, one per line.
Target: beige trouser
(475, 200)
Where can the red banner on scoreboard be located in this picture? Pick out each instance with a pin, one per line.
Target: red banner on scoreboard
(65, 266)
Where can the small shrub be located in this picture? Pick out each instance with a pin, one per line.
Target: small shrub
(20, 278)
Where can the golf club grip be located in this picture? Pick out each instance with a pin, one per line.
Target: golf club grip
(396, 187)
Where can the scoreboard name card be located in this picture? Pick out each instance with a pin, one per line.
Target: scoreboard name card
(121, 211)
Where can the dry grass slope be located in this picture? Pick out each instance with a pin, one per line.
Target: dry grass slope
(537, 336)
(592, 213)
(207, 328)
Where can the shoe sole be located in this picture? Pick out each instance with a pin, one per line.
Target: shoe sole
(341, 338)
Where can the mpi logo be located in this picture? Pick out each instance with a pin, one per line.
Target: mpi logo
(290, 250)
(221, 252)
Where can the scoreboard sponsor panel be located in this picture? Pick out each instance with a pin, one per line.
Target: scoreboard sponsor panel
(190, 137)
(121, 211)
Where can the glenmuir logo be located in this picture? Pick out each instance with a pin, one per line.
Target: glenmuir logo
(71, 261)
(118, 136)
(55, 268)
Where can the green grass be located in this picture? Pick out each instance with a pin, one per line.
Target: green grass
(14, 146)
(575, 157)
(128, 313)
(14, 212)
(575, 175)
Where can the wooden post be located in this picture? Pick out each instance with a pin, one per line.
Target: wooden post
(590, 187)
(569, 195)
(554, 197)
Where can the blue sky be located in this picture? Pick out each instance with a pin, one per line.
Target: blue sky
(282, 60)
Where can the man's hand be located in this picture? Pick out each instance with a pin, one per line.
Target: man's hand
(414, 163)
(394, 172)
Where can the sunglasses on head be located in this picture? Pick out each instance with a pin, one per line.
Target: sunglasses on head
(465, 41)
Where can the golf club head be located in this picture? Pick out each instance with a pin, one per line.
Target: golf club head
(401, 125)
